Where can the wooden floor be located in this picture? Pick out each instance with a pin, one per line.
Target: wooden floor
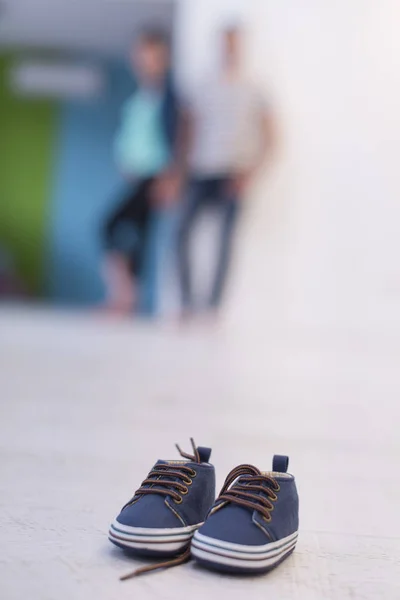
(87, 407)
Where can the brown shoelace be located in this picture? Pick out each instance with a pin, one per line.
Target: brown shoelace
(162, 480)
(252, 490)
(174, 562)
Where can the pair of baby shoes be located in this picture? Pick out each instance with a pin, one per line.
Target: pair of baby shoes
(250, 528)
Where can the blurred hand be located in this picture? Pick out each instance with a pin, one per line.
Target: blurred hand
(240, 182)
(167, 189)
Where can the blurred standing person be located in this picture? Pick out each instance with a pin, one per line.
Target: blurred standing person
(229, 132)
(145, 147)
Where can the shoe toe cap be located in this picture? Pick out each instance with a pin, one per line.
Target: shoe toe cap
(234, 524)
(149, 512)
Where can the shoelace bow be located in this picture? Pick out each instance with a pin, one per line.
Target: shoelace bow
(162, 480)
(248, 490)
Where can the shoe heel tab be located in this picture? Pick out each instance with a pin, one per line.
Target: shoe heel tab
(280, 463)
(204, 454)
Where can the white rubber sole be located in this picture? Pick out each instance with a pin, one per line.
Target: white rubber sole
(151, 540)
(228, 556)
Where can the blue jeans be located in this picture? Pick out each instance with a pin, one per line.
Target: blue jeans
(202, 194)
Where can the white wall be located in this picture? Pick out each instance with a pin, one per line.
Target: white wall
(320, 242)
(335, 69)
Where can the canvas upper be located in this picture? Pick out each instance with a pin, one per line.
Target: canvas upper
(255, 508)
(176, 493)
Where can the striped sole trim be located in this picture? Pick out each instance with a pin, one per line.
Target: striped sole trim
(217, 552)
(155, 540)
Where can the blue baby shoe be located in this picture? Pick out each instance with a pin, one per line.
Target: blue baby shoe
(171, 504)
(254, 523)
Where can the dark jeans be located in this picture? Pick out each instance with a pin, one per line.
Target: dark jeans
(126, 229)
(205, 193)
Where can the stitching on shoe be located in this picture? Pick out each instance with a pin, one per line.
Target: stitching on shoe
(214, 509)
(176, 513)
(261, 527)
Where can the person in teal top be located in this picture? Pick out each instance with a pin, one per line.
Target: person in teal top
(140, 145)
(145, 151)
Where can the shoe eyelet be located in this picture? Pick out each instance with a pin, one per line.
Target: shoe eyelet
(278, 489)
(188, 481)
(274, 499)
(178, 501)
(193, 473)
(268, 520)
(184, 492)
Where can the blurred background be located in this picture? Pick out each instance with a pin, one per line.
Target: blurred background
(317, 240)
(302, 240)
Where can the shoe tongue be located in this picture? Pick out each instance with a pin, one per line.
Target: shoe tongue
(249, 483)
(165, 475)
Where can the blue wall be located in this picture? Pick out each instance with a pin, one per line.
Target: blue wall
(86, 187)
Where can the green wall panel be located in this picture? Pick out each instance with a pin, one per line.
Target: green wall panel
(27, 137)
